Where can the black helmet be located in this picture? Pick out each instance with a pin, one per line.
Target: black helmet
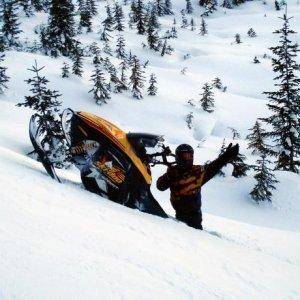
(184, 156)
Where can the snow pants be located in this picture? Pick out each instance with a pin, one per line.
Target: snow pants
(192, 219)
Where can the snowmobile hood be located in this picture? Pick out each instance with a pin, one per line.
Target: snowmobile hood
(118, 137)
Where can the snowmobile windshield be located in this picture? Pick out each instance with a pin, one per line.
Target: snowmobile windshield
(143, 139)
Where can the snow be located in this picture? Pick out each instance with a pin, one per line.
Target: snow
(58, 241)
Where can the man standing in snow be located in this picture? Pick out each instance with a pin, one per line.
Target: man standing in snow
(186, 179)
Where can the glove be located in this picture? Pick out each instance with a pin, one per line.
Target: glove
(231, 152)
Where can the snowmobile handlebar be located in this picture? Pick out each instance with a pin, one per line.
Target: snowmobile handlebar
(163, 155)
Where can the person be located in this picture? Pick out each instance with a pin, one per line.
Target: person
(186, 179)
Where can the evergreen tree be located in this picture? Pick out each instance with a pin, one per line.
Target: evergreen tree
(3, 77)
(189, 8)
(226, 4)
(152, 89)
(92, 6)
(265, 181)
(240, 168)
(140, 17)
(123, 78)
(166, 49)
(10, 24)
(168, 7)
(105, 36)
(192, 24)
(203, 28)
(58, 37)
(85, 17)
(277, 5)
(189, 120)
(45, 102)
(184, 21)
(173, 32)
(137, 78)
(160, 7)
(99, 90)
(256, 140)
(209, 5)
(107, 49)
(120, 47)
(238, 2)
(217, 83)
(152, 35)
(285, 102)
(119, 17)
(26, 6)
(238, 38)
(65, 70)
(77, 60)
(207, 98)
(251, 32)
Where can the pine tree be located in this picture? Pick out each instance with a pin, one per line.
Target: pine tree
(40, 5)
(152, 89)
(277, 5)
(58, 37)
(45, 102)
(285, 102)
(152, 35)
(123, 78)
(119, 17)
(99, 90)
(189, 120)
(192, 24)
(238, 38)
(166, 49)
(240, 168)
(10, 24)
(238, 2)
(203, 28)
(26, 5)
(226, 4)
(77, 60)
(209, 5)
(256, 140)
(217, 83)
(65, 70)
(189, 8)
(251, 33)
(207, 98)
(140, 17)
(85, 17)
(115, 84)
(173, 32)
(137, 78)
(265, 181)
(184, 22)
(168, 7)
(106, 49)
(160, 7)
(3, 77)
(92, 6)
(120, 47)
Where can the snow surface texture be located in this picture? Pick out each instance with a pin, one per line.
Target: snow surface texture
(62, 242)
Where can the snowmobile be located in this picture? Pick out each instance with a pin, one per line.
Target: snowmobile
(112, 163)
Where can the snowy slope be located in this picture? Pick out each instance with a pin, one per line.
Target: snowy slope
(61, 242)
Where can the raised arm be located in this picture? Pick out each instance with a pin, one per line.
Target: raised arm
(211, 169)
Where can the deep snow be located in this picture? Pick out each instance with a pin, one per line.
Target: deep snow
(59, 241)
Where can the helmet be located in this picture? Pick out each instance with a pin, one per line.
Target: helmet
(184, 156)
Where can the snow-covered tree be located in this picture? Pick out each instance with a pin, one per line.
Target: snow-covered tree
(209, 5)
(203, 27)
(58, 37)
(152, 89)
(77, 56)
(226, 4)
(184, 21)
(189, 120)
(189, 8)
(217, 83)
(251, 32)
(265, 181)
(256, 60)
(123, 77)
(26, 6)
(92, 6)
(65, 70)
(166, 49)
(240, 168)
(46, 104)
(120, 47)
(256, 139)
(207, 98)
(140, 17)
(10, 25)
(85, 17)
(3, 77)
(237, 38)
(152, 35)
(168, 7)
(119, 17)
(284, 103)
(100, 90)
(137, 78)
